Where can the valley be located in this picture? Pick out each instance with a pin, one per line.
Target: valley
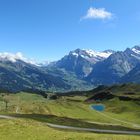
(81, 69)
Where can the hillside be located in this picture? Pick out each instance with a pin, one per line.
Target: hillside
(34, 112)
(20, 75)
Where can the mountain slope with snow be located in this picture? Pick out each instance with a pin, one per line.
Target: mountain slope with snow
(81, 61)
(91, 55)
(112, 69)
(80, 68)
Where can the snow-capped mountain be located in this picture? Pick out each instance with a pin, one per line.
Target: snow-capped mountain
(90, 55)
(112, 69)
(80, 68)
(19, 73)
(81, 61)
(136, 50)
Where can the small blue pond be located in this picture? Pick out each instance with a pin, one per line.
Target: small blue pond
(98, 107)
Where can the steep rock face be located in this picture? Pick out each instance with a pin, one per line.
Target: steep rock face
(133, 76)
(114, 67)
(82, 61)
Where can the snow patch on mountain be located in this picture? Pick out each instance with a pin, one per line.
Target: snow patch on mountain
(136, 49)
(90, 53)
(75, 54)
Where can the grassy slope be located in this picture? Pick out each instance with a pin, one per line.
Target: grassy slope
(65, 107)
(124, 110)
(73, 108)
(32, 130)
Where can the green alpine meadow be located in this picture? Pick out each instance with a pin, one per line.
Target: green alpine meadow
(29, 115)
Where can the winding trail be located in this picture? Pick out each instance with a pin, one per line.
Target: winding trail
(93, 129)
(81, 129)
(6, 117)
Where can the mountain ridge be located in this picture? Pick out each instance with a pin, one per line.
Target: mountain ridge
(80, 69)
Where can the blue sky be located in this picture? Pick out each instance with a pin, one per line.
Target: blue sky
(49, 29)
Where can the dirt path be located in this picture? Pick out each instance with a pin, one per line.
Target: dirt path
(82, 129)
(93, 129)
(6, 117)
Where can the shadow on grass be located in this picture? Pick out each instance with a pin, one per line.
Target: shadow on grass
(71, 122)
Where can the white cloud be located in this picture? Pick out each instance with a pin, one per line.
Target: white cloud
(14, 57)
(10, 56)
(97, 13)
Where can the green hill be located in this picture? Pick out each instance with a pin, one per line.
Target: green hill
(33, 111)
